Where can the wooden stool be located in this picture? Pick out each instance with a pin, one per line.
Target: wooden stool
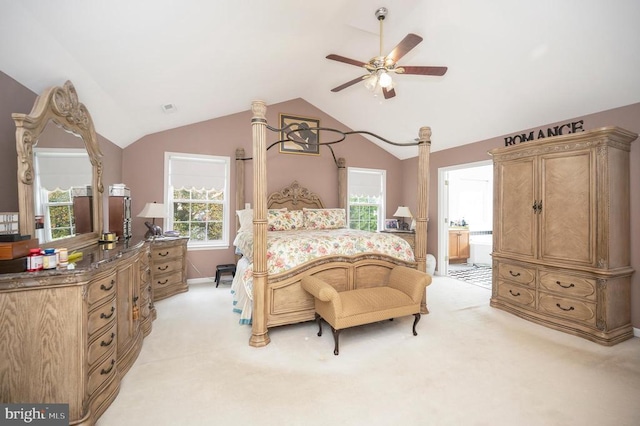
(224, 269)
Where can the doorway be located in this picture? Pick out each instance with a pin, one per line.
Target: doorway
(465, 211)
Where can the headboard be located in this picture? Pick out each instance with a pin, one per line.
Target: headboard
(294, 197)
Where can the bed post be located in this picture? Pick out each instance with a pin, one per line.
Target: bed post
(424, 146)
(239, 179)
(342, 183)
(259, 332)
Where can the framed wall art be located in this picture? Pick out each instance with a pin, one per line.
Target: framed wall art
(298, 135)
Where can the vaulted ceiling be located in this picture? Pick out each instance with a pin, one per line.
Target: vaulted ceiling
(513, 64)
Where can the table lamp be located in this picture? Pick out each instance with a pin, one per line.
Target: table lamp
(402, 212)
(152, 211)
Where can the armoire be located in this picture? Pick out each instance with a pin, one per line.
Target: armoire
(561, 233)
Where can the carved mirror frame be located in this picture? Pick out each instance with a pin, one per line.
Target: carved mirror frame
(58, 104)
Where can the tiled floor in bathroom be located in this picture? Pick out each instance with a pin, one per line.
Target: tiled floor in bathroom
(471, 273)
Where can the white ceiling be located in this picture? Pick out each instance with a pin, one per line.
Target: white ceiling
(513, 64)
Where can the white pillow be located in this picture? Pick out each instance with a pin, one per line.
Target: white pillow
(246, 220)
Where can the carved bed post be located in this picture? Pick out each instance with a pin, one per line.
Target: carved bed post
(259, 333)
(424, 146)
(240, 200)
(342, 183)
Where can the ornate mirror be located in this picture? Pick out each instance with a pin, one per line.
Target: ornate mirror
(53, 177)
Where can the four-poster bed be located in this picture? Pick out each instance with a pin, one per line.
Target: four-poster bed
(278, 298)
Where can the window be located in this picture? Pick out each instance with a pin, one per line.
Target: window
(366, 188)
(197, 196)
(61, 175)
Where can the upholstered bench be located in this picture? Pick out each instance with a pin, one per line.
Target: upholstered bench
(399, 296)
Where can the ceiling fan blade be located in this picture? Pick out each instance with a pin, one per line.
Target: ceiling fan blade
(346, 60)
(408, 43)
(388, 94)
(422, 70)
(348, 83)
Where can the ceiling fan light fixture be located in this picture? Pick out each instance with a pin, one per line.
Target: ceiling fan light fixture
(385, 80)
(371, 82)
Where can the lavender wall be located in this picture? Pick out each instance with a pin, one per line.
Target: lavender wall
(625, 117)
(14, 97)
(143, 166)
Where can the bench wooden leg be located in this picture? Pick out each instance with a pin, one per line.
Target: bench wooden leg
(415, 322)
(336, 335)
(319, 321)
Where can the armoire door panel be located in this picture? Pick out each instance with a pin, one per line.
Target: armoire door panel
(516, 218)
(567, 225)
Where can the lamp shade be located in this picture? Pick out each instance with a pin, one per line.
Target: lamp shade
(403, 211)
(152, 210)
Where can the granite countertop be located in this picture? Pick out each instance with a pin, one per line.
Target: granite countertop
(93, 257)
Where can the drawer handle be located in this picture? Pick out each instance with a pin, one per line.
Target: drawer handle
(565, 286)
(514, 294)
(163, 268)
(163, 254)
(102, 286)
(108, 370)
(565, 309)
(109, 315)
(103, 343)
(517, 274)
(163, 282)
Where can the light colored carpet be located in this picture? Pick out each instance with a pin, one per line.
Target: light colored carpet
(469, 365)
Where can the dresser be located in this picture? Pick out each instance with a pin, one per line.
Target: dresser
(561, 233)
(168, 267)
(71, 335)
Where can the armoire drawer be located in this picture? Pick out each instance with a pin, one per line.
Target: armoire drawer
(568, 285)
(516, 273)
(576, 310)
(516, 294)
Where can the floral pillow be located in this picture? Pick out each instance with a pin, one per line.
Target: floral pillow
(325, 218)
(283, 220)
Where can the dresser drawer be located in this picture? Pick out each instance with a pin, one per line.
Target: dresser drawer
(516, 294)
(103, 344)
(101, 289)
(167, 267)
(102, 372)
(568, 285)
(160, 253)
(517, 274)
(101, 316)
(577, 310)
(167, 280)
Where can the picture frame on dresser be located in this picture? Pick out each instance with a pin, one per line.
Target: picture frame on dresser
(391, 224)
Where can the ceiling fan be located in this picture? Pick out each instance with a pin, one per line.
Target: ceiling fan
(380, 67)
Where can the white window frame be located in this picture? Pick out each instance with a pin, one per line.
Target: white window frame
(168, 198)
(383, 199)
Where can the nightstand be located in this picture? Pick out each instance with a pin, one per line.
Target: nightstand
(408, 236)
(168, 266)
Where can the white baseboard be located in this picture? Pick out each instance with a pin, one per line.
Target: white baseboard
(206, 280)
(636, 332)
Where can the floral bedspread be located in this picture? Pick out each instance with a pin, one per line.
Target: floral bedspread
(288, 249)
